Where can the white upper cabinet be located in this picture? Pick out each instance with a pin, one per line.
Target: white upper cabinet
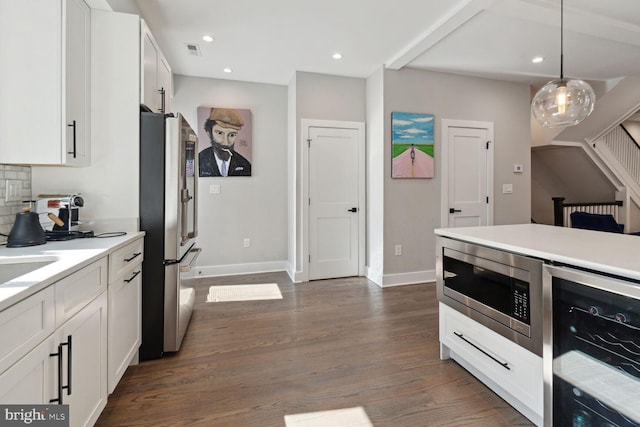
(45, 82)
(155, 74)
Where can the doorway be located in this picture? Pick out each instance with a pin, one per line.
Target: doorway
(467, 173)
(333, 198)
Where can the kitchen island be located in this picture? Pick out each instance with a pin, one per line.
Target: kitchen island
(542, 316)
(609, 253)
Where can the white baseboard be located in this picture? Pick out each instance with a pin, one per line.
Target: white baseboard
(236, 269)
(401, 279)
(383, 281)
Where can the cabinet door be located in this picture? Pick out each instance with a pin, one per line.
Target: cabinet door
(30, 380)
(164, 83)
(87, 377)
(125, 314)
(45, 80)
(149, 92)
(78, 89)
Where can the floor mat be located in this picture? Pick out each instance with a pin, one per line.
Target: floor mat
(262, 291)
(349, 417)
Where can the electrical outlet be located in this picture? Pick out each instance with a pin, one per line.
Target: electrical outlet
(246, 242)
(398, 250)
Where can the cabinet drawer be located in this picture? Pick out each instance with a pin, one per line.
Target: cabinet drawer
(77, 290)
(515, 369)
(24, 325)
(121, 260)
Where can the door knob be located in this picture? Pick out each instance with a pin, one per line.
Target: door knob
(352, 210)
(451, 210)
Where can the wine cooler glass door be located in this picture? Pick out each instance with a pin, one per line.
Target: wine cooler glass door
(595, 348)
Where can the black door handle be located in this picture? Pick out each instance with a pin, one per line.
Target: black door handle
(451, 210)
(73, 125)
(352, 210)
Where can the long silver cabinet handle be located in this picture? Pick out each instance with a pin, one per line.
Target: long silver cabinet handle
(503, 364)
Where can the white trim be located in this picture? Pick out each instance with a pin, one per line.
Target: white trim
(235, 269)
(446, 25)
(305, 124)
(444, 166)
(374, 276)
(412, 278)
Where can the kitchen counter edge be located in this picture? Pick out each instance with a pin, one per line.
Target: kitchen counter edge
(72, 255)
(609, 253)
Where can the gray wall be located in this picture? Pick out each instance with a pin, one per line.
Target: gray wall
(412, 207)
(247, 207)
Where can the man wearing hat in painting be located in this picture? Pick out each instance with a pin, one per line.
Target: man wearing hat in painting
(221, 159)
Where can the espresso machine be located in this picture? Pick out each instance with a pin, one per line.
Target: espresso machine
(59, 216)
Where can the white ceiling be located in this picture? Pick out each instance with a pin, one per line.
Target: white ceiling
(268, 40)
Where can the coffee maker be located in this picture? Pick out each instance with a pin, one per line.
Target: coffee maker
(59, 216)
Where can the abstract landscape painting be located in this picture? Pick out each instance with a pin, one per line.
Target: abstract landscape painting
(412, 145)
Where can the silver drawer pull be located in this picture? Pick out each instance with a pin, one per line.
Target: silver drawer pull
(503, 364)
(132, 277)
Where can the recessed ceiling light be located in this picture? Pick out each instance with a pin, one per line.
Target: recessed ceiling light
(227, 70)
(207, 38)
(537, 59)
(337, 55)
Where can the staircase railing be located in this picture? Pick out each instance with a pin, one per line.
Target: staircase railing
(562, 211)
(625, 149)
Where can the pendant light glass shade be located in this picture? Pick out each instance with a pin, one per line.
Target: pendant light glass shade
(562, 103)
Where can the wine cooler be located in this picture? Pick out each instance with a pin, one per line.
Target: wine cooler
(591, 349)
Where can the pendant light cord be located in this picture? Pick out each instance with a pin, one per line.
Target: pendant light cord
(561, 39)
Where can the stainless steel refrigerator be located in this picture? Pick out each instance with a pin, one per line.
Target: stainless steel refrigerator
(168, 215)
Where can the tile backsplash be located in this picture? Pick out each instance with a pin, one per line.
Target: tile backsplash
(8, 210)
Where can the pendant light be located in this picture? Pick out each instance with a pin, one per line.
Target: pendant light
(563, 102)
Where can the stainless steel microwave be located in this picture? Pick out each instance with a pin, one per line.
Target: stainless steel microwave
(499, 289)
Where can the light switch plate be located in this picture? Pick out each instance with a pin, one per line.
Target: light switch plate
(214, 189)
(13, 191)
(507, 188)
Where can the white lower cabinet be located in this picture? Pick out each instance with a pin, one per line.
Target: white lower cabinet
(125, 309)
(30, 380)
(69, 366)
(511, 371)
(84, 367)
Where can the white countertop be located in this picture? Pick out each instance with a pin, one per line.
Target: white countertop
(70, 256)
(610, 253)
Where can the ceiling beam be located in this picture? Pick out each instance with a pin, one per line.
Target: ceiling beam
(446, 25)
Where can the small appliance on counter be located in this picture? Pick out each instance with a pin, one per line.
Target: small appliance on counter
(59, 216)
(26, 230)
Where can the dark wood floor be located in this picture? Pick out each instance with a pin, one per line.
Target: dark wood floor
(328, 344)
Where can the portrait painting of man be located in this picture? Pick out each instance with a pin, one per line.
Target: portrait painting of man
(224, 142)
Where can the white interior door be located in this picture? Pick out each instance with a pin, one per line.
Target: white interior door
(468, 161)
(334, 208)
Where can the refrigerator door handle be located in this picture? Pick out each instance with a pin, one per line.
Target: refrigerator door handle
(194, 233)
(196, 253)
